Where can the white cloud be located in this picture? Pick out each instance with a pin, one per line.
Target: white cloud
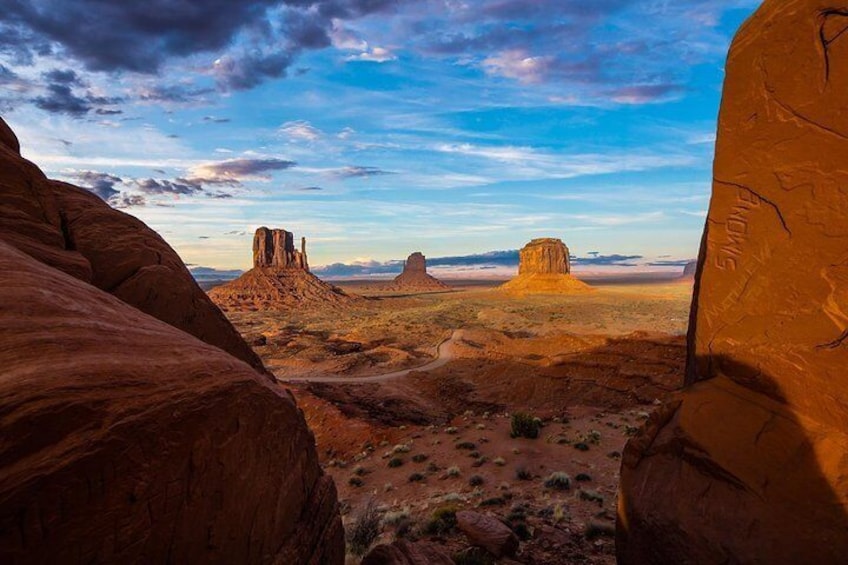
(375, 55)
(300, 130)
(519, 65)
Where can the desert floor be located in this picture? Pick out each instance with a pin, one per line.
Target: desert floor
(421, 443)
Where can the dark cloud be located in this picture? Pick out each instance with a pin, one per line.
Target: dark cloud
(60, 99)
(163, 187)
(214, 120)
(173, 93)
(309, 188)
(101, 184)
(232, 171)
(671, 263)
(359, 172)
(63, 76)
(108, 112)
(124, 200)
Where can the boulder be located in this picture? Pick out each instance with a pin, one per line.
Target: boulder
(73, 230)
(402, 552)
(487, 532)
(750, 463)
(125, 438)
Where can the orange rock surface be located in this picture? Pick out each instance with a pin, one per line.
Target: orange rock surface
(750, 463)
(126, 439)
(545, 268)
(415, 277)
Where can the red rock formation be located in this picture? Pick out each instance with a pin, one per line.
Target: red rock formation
(750, 463)
(125, 439)
(487, 532)
(279, 280)
(415, 277)
(545, 268)
(546, 256)
(275, 248)
(690, 269)
(402, 552)
(74, 231)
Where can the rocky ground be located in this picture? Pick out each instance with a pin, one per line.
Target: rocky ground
(416, 449)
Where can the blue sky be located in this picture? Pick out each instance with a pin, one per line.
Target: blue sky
(379, 127)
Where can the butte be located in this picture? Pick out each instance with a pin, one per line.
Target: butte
(545, 268)
(279, 280)
(414, 276)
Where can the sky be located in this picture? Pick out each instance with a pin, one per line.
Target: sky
(376, 128)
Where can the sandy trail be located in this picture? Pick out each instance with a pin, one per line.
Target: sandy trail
(444, 355)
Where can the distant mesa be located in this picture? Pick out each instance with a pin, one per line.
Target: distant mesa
(415, 277)
(690, 269)
(279, 280)
(545, 268)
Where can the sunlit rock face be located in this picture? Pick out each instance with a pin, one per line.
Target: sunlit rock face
(134, 428)
(275, 248)
(545, 256)
(750, 463)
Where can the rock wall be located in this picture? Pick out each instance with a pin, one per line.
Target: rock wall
(415, 277)
(750, 463)
(126, 439)
(546, 256)
(275, 248)
(416, 263)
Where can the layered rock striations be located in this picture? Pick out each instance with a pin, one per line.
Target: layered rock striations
(750, 463)
(545, 268)
(279, 280)
(415, 276)
(125, 438)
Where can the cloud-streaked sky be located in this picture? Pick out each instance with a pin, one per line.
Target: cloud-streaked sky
(378, 127)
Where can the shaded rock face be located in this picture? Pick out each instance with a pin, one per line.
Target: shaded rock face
(73, 230)
(546, 256)
(402, 552)
(750, 464)
(275, 248)
(414, 275)
(690, 269)
(488, 532)
(126, 439)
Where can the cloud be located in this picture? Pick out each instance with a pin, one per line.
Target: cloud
(359, 172)
(518, 64)
(310, 188)
(374, 55)
(300, 130)
(214, 120)
(60, 99)
(63, 76)
(101, 184)
(234, 171)
(154, 187)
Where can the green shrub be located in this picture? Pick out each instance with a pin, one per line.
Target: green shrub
(582, 478)
(420, 457)
(558, 481)
(354, 482)
(442, 521)
(596, 530)
(364, 529)
(466, 445)
(416, 477)
(522, 474)
(395, 462)
(476, 481)
(525, 425)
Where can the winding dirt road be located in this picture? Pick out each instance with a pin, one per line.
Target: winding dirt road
(444, 355)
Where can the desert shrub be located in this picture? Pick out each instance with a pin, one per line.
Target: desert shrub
(475, 455)
(522, 530)
(359, 471)
(596, 530)
(494, 501)
(420, 457)
(432, 467)
(453, 471)
(558, 481)
(452, 497)
(401, 449)
(452, 430)
(592, 496)
(416, 477)
(364, 529)
(522, 474)
(441, 521)
(466, 445)
(394, 518)
(354, 482)
(476, 480)
(583, 478)
(395, 462)
(525, 425)
(499, 461)
(581, 446)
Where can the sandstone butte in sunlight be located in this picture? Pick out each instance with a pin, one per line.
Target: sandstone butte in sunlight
(134, 428)
(279, 280)
(750, 463)
(545, 268)
(415, 277)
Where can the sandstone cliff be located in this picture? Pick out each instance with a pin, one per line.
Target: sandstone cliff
(750, 463)
(126, 439)
(545, 268)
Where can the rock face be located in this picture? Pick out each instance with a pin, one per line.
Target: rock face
(415, 277)
(275, 248)
(546, 256)
(750, 463)
(690, 269)
(74, 231)
(279, 280)
(545, 268)
(126, 439)
(488, 532)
